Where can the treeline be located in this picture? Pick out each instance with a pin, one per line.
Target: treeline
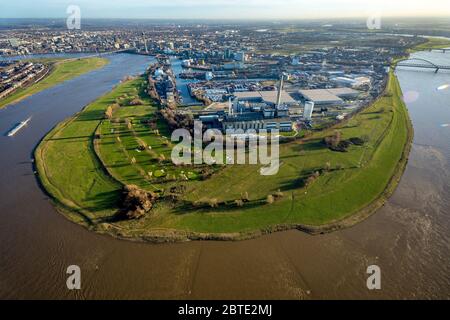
(177, 120)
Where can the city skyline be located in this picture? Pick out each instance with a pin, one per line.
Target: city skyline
(221, 9)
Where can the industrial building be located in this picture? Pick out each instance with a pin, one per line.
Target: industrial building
(256, 122)
(324, 97)
(255, 110)
(268, 97)
(355, 82)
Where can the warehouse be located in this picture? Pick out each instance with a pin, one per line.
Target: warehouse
(269, 97)
(323, 97)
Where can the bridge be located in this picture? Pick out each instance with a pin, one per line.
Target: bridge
(421, 63)
(100, 54)
(443, 50)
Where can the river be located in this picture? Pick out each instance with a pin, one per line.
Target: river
(409, 238)
(177, 68)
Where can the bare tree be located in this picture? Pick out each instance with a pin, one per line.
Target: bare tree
(109, 112)
(136, 202)
(213, 203)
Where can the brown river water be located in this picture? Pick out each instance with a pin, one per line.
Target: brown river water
(409, 238)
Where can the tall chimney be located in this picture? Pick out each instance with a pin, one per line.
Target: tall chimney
(280, 88)
(230, 107)
(145, 42)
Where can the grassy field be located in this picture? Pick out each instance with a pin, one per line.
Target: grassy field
(84, 161)
(59, 71)
(432, 43)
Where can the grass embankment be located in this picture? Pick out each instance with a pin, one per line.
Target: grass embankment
(69, 169)
(357, 182)
(59, 71)
(432, 43)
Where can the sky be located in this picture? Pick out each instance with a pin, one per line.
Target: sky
(224, 9)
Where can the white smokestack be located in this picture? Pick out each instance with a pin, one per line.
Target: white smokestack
(230, 107)
(280, 89)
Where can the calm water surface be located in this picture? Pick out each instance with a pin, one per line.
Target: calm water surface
(409, 238)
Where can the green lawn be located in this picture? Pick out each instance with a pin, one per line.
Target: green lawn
(60, 71)
(69, 168)
(85, 178)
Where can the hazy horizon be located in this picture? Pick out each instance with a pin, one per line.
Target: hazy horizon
(227, 9)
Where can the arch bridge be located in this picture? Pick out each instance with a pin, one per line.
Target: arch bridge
(421, 63)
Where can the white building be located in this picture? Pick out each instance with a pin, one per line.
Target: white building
(295, 61)
(352, 82)
(186, 63)
(209, 76)
(309, 108)
(325, 97)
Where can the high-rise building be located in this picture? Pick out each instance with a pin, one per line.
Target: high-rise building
(227, 53)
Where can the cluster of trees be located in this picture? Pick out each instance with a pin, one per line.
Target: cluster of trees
(152, 90)
(271, 198)
(313, 177)
(174, 194)
(200, 95)
(242, 200)
(136, 102)
(177, 120)
(334, 140)
(215, 203)
(336, 143)
(135, 202)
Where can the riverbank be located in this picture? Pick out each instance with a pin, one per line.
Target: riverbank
(357, 183)
(432, 44)
(59, 71)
